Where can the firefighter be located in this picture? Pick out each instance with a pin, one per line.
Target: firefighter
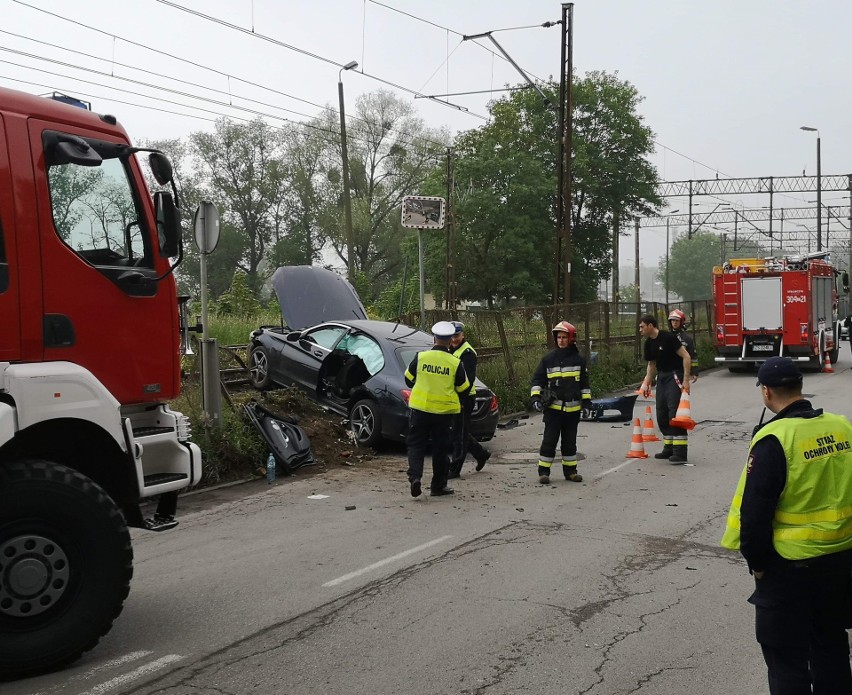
(790, 520)
(463, 440)
(437, 378)
(677, 325)
(560, 389)
(669, 360)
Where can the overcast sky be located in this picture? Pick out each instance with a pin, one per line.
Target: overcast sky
(726, 84)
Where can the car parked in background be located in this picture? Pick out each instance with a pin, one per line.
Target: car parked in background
(344, 361)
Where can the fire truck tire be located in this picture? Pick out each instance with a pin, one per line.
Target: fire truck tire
(65, 566)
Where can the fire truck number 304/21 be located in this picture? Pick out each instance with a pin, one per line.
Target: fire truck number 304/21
(796, 298)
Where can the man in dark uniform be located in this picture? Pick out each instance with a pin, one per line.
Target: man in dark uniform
(463, 440)
(677, 325)
(791, 521)
(670, 361)
(436, 379)
(560, 389)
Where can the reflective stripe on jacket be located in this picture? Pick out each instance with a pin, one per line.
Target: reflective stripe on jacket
(471, 373)
(437, 382)
(563, 372)
(814, 513)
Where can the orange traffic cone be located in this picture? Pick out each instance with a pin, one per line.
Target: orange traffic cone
(683, 419)
(648, 430)
(638, 392)
(826, 365)
(637, 449)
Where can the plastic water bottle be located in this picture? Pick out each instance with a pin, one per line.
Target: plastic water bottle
(270, 468)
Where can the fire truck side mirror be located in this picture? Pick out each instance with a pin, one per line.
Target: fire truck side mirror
(161, 168)
(168, 224)
(844, 278)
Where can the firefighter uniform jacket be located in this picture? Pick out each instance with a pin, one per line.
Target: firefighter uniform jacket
(812, 515)
(563, 373)
(689, 343)
(437, 378)
(467, 355)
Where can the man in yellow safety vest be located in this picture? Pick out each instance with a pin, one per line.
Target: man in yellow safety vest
(791, 518)
(436, 378)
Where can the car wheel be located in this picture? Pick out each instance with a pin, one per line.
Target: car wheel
(366, 422)
(259, 368)
(66, 565)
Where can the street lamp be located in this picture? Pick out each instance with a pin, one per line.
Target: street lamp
(347, 202)
(672, 212)
(819, 187)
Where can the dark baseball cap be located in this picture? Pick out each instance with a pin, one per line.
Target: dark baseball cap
(779, 371)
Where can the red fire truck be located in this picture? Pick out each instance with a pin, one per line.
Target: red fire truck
(89, 357)
(766, 307)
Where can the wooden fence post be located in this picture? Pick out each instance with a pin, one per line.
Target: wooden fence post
(510, 366)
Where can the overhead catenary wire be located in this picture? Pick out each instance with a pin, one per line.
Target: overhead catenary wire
(310, 54)
(186, 61)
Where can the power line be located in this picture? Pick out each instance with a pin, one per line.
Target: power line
(181, 60)
(315, 56)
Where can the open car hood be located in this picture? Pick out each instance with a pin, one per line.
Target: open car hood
(309, 295)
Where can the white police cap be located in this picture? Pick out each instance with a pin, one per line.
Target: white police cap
(443, 329)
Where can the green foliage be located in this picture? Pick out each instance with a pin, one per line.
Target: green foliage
(239, 300)
(691, 264)
(506, 187)
(629, 293)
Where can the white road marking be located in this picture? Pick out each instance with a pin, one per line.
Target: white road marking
(112, 663)
(134, 674)
(613, 470)
(386, 561)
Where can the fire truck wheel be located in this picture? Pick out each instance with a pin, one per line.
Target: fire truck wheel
(65, 566)
(259, 368)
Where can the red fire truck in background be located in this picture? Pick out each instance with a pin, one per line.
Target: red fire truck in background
(89, 357)
(766, 307)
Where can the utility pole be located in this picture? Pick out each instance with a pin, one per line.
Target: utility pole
(563, 164)
(452, 291)
(615, 280)
(347, 201)
(636, 277)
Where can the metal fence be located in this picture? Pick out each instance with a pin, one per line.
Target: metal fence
(603, 328)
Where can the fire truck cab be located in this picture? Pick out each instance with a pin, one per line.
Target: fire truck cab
(766, 307)
(89, 360)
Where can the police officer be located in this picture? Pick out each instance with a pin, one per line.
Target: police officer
(560, 389)
(463, 440)
(790, 519)
(436, 379)
(669, 360)
(677, 325)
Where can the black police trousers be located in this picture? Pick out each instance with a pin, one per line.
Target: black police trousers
(421, 427)
(463, 441)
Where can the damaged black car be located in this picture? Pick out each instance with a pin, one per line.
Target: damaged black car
(345, 362)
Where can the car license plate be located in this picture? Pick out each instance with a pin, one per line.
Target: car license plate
(762, 348)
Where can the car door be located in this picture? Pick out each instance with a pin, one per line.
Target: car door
(303, 353)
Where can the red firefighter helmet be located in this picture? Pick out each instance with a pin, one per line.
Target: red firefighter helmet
(679, 315)
(565, 327)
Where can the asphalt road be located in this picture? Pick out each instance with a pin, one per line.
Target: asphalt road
(614, 585)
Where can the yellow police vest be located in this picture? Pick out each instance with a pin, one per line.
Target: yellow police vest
(458, 352)
(814, 513)
(435, 389)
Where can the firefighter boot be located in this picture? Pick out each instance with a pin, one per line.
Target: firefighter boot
(572, 474)
(666, 453)
(544, 475)
(679, 455)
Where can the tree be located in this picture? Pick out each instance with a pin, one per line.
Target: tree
(391, 152)
(506, 188)
(691, 264)
(242, 163)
